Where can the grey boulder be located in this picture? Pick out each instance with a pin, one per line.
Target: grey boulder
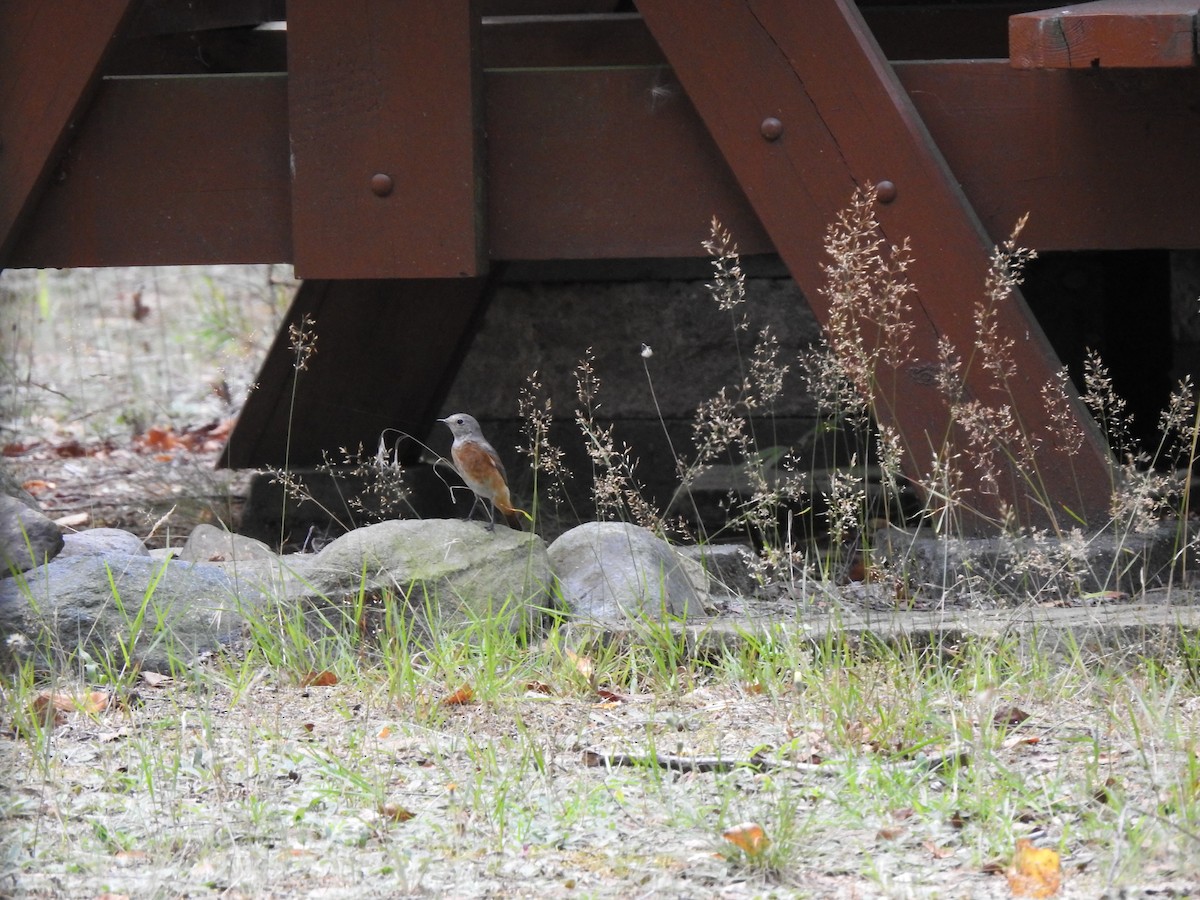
(130, 610)
(28, 537)
(615, 572)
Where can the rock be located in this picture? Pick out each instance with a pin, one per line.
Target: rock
(470, 572)
(157, 613)
(208, 543)
(102, 541)
(613, 571)
(10, 487)
(27, 537)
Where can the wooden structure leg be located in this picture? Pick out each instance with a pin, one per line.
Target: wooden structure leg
(386, 352)
(804, 107)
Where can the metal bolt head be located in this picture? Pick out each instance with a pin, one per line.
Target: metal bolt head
(381, 185)
(771, 128)
(885, 191)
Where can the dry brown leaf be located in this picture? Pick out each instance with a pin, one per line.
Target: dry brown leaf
(324, 678)
(1009, 715)
(937, 852)
(889, 832)
(749, 837)
(461, 697)
(611, 696)
(73, 520)
(156, 679)
(583, 664)
(1034, 871)
(538, 687)
(395, 812)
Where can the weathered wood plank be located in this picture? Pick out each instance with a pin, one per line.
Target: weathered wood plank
(386, 352)
(50, 59)
(170, 171)
(1108, 34)
(386, 130)
(804, 107)
(1093, 180)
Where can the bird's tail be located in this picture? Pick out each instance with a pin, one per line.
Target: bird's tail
(514, 518)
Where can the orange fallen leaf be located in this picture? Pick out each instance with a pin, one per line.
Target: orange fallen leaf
(1034, 871)
(38, 486)
(749, 837)
(937, 852)
(324, 678)
(583, 664)
(395, 812)
(461, 697)
(385, 732)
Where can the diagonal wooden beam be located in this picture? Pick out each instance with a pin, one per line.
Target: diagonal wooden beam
(50, 62)
(386, 352)
(804, 107)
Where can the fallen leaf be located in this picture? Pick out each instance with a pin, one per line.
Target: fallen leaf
(749, 837)
(157, 679)
(538, 687)
(937, 852)
(1018, 739)
(1034, 871)
(611, 696)
(461, 697)
(324, 678)
(395, 812)
(38, 486)
(74, 520)
(1009, 715)
(583, 664)
(385, 732)
(889, 832)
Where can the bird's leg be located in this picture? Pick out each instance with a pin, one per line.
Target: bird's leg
(492, 516)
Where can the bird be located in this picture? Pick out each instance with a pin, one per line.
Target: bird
(480, 468)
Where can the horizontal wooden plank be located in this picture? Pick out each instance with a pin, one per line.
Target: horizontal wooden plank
(1106, 34)
(171, 171)
(615, 164)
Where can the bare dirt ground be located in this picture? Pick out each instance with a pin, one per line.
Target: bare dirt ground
(238, 782)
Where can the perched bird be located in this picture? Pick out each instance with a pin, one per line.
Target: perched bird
(480, 468)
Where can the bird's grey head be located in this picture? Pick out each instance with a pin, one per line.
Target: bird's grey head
(461, 425)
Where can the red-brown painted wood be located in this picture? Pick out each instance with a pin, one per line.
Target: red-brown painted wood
(847, 121)
(385, 124)
(386, 353)
(1109, 34)
(563, 183)
(50, 58)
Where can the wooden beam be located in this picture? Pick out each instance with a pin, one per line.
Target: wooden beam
(1108, 34)
(50, 60)
(386, 352)
(805, 108)
(564, 182)
(386, 136)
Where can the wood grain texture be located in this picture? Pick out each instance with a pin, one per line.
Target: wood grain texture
(1106, 34)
